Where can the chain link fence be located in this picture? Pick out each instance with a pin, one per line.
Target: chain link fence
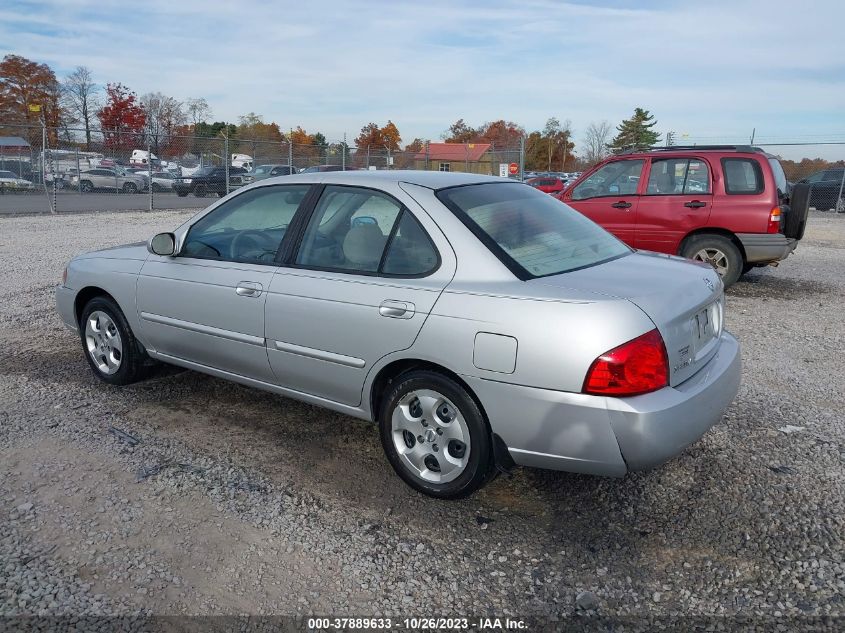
(45, 170)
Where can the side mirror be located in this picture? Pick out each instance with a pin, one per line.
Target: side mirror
(162, 244)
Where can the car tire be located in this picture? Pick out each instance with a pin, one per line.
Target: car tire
(156, 188)
(86, 186)
(799, 209)
(718, 251)
(423, 409)
(109, 345)
(747, 268)
(182, 194)
(130, 187)
(221, 194)
(200, 191)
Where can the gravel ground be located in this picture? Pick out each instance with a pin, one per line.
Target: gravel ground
(219, 499)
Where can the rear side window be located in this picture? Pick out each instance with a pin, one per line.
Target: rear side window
(673, 176)
(780, 176)
(743, 176)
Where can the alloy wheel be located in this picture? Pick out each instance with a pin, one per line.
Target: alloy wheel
(102, 339)
(715, 257)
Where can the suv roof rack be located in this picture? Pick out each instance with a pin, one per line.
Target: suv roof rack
(672, 148)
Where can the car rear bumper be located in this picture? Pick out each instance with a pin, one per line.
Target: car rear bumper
(766, 247)
(598, 435)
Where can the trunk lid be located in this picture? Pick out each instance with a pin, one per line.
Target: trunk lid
(684, 299)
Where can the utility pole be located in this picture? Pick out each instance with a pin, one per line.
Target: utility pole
(343, 152)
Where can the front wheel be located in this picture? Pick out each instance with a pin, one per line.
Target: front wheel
(86, 186)
(435, 436)
(129, 187)
(718, 251)
(109, 344)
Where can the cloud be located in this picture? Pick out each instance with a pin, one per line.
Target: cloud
(706, 69)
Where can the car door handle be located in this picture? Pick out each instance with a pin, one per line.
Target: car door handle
(396, 309)
(695, 204)
(248, 289)
(621, 205)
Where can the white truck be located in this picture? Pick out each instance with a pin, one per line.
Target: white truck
(242, 160)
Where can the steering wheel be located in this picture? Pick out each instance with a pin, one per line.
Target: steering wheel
(262, 245)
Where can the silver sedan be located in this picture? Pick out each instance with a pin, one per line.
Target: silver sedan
(479, 322)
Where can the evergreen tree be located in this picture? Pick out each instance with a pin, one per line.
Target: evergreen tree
(636, 131)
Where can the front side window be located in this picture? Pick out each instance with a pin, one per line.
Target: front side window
(743, 176)
(531, 232)
(247, 228)
(675, 176)
(617, 178)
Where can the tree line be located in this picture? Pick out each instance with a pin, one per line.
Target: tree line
(77, 107)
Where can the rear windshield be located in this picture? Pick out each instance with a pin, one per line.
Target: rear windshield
(532, 233)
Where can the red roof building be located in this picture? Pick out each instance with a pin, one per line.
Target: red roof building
(464, 157)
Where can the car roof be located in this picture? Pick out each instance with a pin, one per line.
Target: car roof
(374, 178)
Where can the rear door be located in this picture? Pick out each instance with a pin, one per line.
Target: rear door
(609, 196)
(360, 285)
(677, 199)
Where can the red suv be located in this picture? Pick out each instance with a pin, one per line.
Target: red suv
(729, 206)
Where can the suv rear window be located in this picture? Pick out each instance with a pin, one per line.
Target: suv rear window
(742, 176)
(533, 234)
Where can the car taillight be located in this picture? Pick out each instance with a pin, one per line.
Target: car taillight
(636, 367)
(774, 220)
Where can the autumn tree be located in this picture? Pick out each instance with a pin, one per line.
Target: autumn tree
(596, 138)
(29, 93)
(80, 100)
(379, 137)
(501, 134)
(636, 131)
(122, 118)
(461, 132)
(164, 114)
(197, 109)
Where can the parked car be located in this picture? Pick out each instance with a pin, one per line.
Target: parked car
(321, 168)
(162, 181)
(547, 184)
(268, 171)
(100, 179)
(10, 180)
(209, 180)
(826, 189)
(725, 205)
(479, 322)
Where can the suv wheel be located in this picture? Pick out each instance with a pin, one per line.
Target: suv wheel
(719, 252)
(200, 191)
(435, 436)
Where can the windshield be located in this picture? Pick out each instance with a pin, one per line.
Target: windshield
(261, 169)
(532, 233)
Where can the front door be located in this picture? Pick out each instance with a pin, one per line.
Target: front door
(677, 199)
(206, 305)
(609, 197)
(359, 287)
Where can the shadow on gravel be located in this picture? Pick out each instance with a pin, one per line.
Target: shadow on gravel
(764, 287)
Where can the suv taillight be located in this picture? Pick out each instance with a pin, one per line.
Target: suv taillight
(636, 367)
(774, 220)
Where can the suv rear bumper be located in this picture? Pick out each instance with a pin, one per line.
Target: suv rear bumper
(766, 247)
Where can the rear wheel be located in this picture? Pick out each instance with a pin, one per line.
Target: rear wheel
(182, 194)
(86, 186)
(129, 187)
(109, 344)
(435, 436)
(718, 251)
(157, 188)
